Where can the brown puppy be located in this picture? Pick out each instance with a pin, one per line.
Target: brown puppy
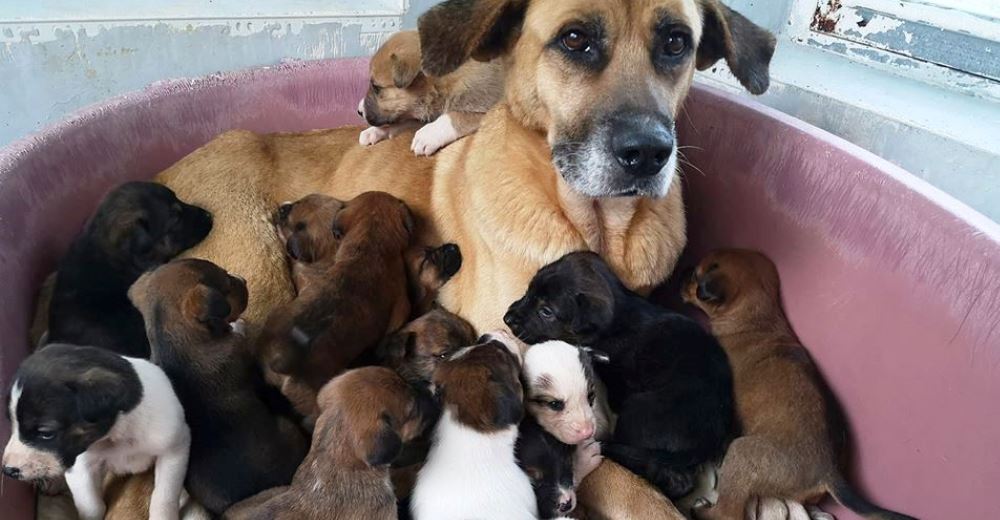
(402, 97)
(306, 228)
(368, 414)
(517, 194)
(239, 446)
(351, 300)
(417, 349)
(429, 268)
(793, 439)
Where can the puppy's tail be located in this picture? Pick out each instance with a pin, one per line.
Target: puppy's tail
(849, 498)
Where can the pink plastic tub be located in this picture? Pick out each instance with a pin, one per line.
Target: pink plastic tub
(894, 286)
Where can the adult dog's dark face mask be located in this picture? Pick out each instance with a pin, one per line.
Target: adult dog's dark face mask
(571, 300)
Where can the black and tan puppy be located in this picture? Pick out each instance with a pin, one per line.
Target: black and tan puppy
(668, 379)
(239, 447)
(352, 300)
(138, 226)
(549, 464)
(793, 436)
(368, 415)
(429, 268)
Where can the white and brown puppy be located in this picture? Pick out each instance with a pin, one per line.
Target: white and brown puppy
(401, 97)
(471, 471)
(86, 411)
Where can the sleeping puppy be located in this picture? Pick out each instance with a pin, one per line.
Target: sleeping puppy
(417, 349)
(87, 411)
(549, 464)
(402, 97)
(668, 380)
(138, 226)
(793, 434)
(305, 227)
(471, 471)
(355, 299)
(429, 268)
(239, 447)
(368, 415)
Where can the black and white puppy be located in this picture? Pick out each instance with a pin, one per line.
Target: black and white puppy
(549, 464)
(138, 226)
(85, 411)
(668, 379)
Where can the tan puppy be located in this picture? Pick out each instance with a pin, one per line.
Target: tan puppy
(793, 442)
(368, 414)
(402, 97)
(306, 228)
(347, 300)
(572, 159)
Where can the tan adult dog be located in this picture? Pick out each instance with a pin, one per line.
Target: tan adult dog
(580, 155)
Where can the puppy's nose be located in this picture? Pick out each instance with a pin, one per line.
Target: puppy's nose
(641, 143)
(510, 319)
(584, 430)
(566, 507)
(12, 472)
(284, 210)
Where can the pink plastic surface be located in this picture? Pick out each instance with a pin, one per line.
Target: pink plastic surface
(893, 286)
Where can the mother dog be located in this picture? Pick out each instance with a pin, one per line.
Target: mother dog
(580, 155)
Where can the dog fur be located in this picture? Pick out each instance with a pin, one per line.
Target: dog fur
(668, 379)
(350, 301)
(137, 226)
(88, 412)
(239, 445)
(368, 415)
(793, 438)
(499, 194)
(401, 96)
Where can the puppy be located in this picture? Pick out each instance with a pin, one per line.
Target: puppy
(368, 414)
(416, 350)
(549, 464)
(429, 268)
(471, 471)
(793, 435)
(138, 226)
(357, 296)
(668, 380)
(306, 229)
(87, 411)
(239, 447)
(401, 97)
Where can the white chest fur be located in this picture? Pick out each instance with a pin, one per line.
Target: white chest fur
(471, 475)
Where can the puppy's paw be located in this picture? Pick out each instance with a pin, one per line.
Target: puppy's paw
(373, 134)
(434, 136)
(586, 459)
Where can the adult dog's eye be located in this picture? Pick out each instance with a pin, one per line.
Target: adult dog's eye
(556, 405)
(675, 43)
(546, 313)
(575, 40)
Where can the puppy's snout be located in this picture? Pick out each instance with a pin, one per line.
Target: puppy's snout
(567, 501)
(641, 143)
(12, 472)
(284, 210)
(361, 108)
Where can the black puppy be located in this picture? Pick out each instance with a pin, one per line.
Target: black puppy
(549, 464)
(667, 378)
(138, 226)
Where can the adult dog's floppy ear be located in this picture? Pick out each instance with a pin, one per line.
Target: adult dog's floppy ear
(454, 31)
(209, 307)
(746, 47)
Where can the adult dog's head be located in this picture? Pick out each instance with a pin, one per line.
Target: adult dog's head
(603, 79)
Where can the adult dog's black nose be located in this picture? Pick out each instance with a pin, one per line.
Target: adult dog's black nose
(642, 143)
(12, 472)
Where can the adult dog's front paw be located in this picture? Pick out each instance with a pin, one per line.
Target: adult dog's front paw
(433, 137)
(373, 134)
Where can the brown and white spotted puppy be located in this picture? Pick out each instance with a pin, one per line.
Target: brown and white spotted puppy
(446, 108)
(239, 445)
(361, 296)
(367, 416)
(793, 440)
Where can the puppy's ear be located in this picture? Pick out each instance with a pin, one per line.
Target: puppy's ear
(383, 447)
(100, 394)
(404, 72)
(209, 307)
(394, 348)
(711, 288)
(746, 47)
(456, 30)
(508, 407)
(408, 222)
(594, 313)
(596, 356)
